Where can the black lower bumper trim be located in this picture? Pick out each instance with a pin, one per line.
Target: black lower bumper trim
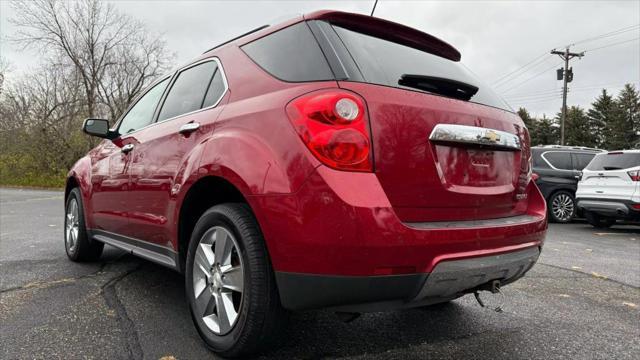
(304, 291)
(448, 280)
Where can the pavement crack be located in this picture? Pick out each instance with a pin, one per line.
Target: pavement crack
(56, 282)
(127, 326)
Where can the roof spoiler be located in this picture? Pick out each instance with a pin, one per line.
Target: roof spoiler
(388, 30)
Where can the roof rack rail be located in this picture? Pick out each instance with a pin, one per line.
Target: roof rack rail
(238, 37)
(570, 147)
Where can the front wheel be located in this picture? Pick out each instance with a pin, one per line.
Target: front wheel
(230, 284)
(561, 207)
(598, 221)
(78, 245)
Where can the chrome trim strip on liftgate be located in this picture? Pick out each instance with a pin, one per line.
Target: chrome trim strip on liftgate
(475, 136)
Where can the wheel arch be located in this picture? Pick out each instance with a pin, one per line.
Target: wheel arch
(201, 195)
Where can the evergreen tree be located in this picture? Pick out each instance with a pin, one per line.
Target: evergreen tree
(529, 122)
(602, 118)
(547, 132)
(577, 129)
(627, 127)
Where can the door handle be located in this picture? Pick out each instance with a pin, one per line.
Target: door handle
(127, 148)
(189, 128)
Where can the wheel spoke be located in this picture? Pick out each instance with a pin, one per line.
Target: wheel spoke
(224, 309)
(207, 252)
(205, 303)
(200, 279)
(232, 278)
(202, 260)
(223, 247)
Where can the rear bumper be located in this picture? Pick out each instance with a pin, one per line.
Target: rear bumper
(448, 280)
(340, 229)
(619, 209)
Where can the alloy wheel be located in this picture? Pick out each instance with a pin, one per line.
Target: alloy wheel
(218, 280)
(562, 207)
(72, 225)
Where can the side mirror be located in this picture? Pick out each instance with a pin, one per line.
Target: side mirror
(97, 127)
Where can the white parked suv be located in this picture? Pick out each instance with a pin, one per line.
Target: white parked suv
(609, 188)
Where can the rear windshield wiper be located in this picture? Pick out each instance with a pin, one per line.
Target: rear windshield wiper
(437, 85)
(611, 168)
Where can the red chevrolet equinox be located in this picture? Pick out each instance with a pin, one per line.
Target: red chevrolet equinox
(331, 161)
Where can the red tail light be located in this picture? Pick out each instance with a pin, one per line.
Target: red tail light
(333, 125)
(535, 176)
(635, 175)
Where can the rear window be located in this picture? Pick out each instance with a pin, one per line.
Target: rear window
(614, 161)
(188, 91)
(384, 62)
(291, 54)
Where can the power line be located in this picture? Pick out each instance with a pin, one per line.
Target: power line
(614, 44)
(528, 79)
(499, 80)
(519, 76)
(605, 35)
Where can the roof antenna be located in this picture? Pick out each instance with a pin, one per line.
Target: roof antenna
(374, 7)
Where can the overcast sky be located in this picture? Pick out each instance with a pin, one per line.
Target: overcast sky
(494, 37)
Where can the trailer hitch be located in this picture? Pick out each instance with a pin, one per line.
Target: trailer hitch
(492, 287)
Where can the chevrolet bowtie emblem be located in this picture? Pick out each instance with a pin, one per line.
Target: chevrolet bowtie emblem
(492, 136)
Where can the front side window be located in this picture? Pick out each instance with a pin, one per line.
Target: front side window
(188, 91)
(141, 114)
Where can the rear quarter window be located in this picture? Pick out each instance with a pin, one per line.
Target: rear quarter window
(614, 161)
(291, 54)
(581, 160)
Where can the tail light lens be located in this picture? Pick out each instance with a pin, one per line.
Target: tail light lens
(535, 176)
(635, 175)
(333, 125)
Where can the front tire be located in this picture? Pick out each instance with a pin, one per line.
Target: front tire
(598, 221)
(230, 284)
(562, 207)
(78, 245)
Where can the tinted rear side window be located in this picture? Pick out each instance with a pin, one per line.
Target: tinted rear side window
(559, 160)
(291, 54)
(615, 161)
(581, 160)
(384, 62)
(188, 91)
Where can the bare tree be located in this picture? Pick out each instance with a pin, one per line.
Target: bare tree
(95, 60)
(110, 51)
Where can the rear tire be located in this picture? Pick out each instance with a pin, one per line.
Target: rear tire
(78, 245)
(562, 207)
(252, 316)
(598, 221)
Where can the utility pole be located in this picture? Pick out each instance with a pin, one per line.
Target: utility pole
(567, 76)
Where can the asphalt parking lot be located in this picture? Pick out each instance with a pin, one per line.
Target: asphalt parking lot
(582, 300)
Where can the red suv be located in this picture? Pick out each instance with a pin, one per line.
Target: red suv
(332, 161)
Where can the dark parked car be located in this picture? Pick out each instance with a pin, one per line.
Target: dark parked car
(334, 160)
(557, 170)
